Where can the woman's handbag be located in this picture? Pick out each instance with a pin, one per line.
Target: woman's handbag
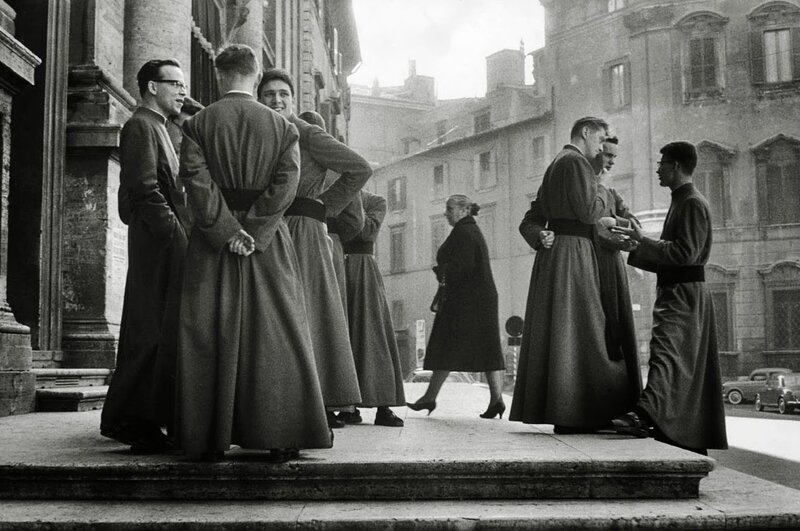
(438, 299)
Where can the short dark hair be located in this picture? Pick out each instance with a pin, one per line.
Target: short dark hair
(587, 121)
(313, 118)
(272, 74)
(151, 71)
(236, 59)
(684, 153)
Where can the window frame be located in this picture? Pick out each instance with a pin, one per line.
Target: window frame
(771, 17)
(482, 121)
(397, 264)
(608, 92)
(762, 153)
(700, 26)
(780, 276)
(394, 203)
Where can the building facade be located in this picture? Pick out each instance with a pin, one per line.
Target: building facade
(724, 75)
(71, 68)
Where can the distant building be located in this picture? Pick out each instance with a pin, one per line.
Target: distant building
(723, 75)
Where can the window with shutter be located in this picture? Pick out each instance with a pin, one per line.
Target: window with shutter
(778, 171)
(786, 318)
(438, 182)
(775, 47)
(397, 259)
(617, 84)
(702, 57)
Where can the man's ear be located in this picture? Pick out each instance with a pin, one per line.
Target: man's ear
(151, 87)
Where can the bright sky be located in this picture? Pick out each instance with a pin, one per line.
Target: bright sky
(449, 39)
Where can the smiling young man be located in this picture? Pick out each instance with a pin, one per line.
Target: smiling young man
(682, 402)
(140, 398)
(316, 202)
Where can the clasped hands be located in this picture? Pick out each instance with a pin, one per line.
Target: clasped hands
(629, 237)
(242, 243)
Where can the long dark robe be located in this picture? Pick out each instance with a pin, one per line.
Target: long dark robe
(246, 369)
(319, 152)
(620, 329)
(565, 375)
(377, 358)
(466, 333)
(682, 396)
(143, 385)
(344, 227)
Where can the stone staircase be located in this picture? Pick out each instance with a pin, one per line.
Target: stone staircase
(451, 470)
(70, 389)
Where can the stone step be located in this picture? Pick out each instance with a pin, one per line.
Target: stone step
(728, 500)
(50, 378)
(84, 398)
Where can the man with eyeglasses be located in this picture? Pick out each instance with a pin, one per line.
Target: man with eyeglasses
(681, 403)
(140, 400)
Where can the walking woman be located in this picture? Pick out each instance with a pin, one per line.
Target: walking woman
(466, 334)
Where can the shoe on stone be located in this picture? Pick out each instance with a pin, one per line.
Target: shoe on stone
(350, 418)
(282, 455)
(386, 417)
(333, 421)
(631, 424)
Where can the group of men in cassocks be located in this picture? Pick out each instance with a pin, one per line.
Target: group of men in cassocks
(235, 328)
(578, 367)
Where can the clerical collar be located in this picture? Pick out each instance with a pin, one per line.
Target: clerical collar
(239, 92)
(683, 189)
(163, 118)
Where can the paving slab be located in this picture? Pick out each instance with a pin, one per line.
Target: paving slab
(451, 454)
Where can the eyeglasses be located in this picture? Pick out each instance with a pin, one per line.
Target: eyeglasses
(174, 82)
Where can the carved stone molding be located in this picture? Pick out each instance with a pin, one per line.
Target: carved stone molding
(719, 274)
(783, 272)
(724, 153)
(774, 13)
(701, 23)
(763, 149)
(649, 19)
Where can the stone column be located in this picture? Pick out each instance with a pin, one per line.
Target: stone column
(16, 379)
(155, 29)
(245, 23)
(95, 250)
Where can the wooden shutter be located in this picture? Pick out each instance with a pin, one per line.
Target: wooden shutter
(626, 76)
(607, 87)
(757, 56)
(796, 54)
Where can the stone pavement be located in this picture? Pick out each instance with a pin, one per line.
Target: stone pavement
(727, 499)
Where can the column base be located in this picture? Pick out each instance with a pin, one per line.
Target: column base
(17, 382)
(89, 343)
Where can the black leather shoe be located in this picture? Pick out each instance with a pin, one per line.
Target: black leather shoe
(386, 417)
(631, 424)
(282, 455)
(350, 418)
(333, 421)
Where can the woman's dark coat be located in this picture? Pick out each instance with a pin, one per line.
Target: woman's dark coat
(466, 333)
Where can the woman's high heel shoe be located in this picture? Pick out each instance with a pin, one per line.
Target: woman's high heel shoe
(419, 406)
(494, 409)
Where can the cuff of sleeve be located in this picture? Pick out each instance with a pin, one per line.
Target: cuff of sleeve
(223, 231)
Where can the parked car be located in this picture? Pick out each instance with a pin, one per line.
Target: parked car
(745, 388)
(422, 375)
(783, 392)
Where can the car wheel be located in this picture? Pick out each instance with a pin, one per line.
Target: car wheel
(759, 405)
(782, 409)
(735, 397)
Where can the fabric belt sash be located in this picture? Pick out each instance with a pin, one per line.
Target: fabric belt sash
(333, 225)
(571, 227)
(240, 198)
(303, 206)
(680, 275)
(359, 247)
